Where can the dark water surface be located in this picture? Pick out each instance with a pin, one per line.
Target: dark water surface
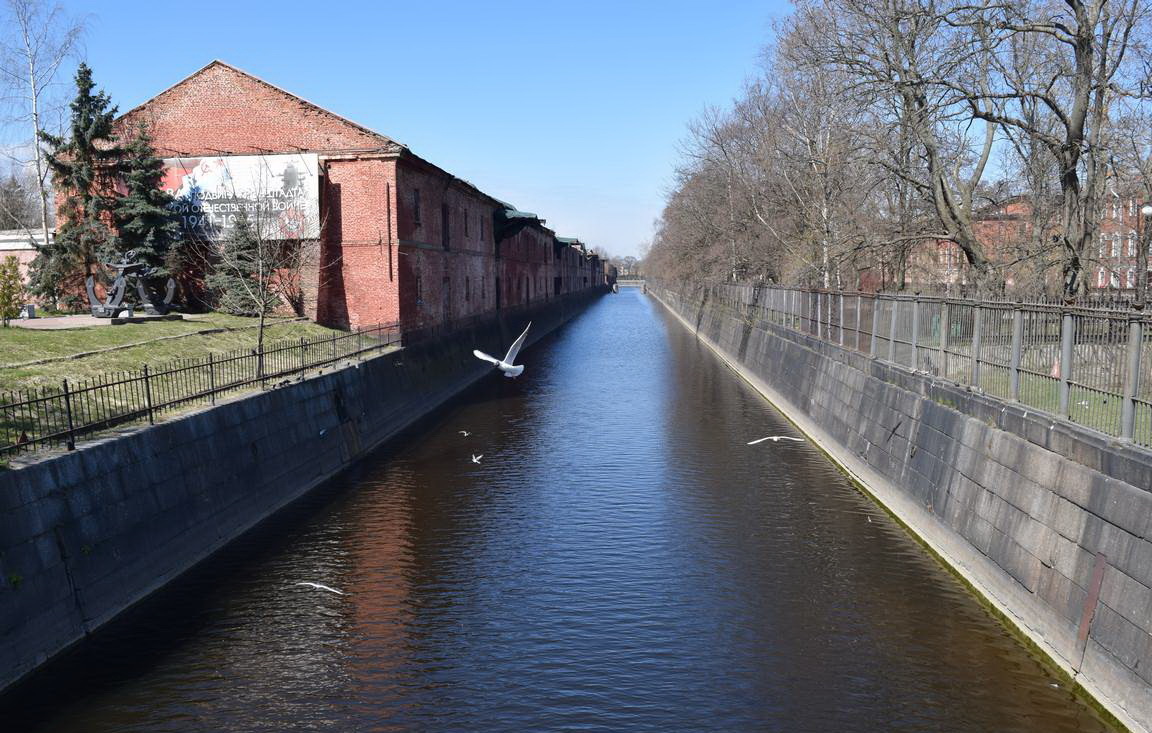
(620, 560)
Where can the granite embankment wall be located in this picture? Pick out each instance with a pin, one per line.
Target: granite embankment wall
(86, 534)
(1048, 520)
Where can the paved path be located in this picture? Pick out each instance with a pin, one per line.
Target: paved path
(56, 323)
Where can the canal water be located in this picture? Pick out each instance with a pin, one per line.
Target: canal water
(618, 560)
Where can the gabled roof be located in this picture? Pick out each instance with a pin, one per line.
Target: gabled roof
(217, 63)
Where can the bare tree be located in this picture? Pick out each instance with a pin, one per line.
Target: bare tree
(1133, 162)
(18, 204)
(1072, 60)
(255, 271)
(907, 62)
(43, 38)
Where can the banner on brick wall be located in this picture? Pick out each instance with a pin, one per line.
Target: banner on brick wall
(278, 194)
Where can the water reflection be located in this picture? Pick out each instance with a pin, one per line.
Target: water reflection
(620, 560)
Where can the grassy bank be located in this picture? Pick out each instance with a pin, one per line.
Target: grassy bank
(131, 346)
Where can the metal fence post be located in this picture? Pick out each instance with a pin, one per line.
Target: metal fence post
(1017, 348)
(916, 333)
(840, 298)
(148, 395)
(945, 333)
(211, 378)
(977, 338)
(303, 357)
(875, 341)
(821, 326)
(1131, 377)
(892, 331)
(68, 411)
(811, 312)
(1067, 354)
(859, 303)
(815, 309)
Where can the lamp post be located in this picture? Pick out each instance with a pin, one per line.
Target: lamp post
(1142, 255)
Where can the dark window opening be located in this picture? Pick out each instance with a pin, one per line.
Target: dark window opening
(416, 206)
(445, 233)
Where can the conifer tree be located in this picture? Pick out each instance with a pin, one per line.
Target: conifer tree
(241, 277)
(144, 222)
(11, 290)
(83, 163)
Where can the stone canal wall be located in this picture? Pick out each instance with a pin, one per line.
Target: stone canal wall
(86, 534)
(1049, 521)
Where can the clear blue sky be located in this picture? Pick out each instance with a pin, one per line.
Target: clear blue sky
(570, 110)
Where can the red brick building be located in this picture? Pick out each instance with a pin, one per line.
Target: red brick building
(1006, 231)
(400, 238)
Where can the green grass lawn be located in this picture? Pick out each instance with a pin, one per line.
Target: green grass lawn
(18, 345)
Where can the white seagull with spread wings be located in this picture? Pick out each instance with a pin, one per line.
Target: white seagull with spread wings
(775, 439)
(320, 586)
(505, 365)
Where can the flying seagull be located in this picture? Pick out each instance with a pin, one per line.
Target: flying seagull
(465, 433)
(505, 364)
(775, 439)
(318, 586)
(476, 458)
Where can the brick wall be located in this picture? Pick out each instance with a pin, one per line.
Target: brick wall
(222, 110)
(401, 238)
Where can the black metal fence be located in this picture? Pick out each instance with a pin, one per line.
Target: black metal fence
(57, 416)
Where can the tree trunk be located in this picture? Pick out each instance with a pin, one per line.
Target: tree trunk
(41, 185)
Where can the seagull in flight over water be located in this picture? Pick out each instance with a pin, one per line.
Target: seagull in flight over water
(505, 365)
(318, 586)
(476, 458)
(775, 439)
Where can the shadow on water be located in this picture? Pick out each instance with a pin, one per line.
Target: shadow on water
(619, 559)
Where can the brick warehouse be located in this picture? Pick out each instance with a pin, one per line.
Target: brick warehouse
(401, 239)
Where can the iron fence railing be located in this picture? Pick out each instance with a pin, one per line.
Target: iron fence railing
(57, 416)
(1088, 364)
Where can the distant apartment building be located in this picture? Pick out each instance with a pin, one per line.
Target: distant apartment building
(1007, 233)
(22, 245)
(400, 239)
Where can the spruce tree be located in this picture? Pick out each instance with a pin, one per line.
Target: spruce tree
(240, 277)
(83, 165)
(143, 219)
(11, 290)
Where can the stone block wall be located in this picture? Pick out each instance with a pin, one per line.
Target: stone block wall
(86, 534)
(1048, 520)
